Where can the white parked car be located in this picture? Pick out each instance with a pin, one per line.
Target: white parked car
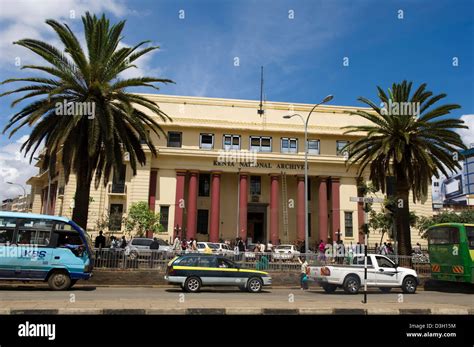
(206, 247)
(223, 249)
(382, 273)
(140, 246)
(285, 252)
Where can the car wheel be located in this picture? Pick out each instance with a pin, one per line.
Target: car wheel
(409, 285)
(59, 280)
(254, 285)
(329, 288)
(351, 284)
(385, 289)
(192, 285)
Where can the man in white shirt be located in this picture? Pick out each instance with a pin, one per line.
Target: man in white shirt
(269, 246)
(262, 247)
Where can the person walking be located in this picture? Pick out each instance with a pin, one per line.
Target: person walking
(154, 246)
(303, 273)
(176, 244)
(123, 243)
(100, 241)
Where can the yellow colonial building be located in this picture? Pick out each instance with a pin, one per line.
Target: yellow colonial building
(224, 170)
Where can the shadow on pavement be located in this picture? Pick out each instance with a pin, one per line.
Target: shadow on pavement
(448, 287)
(214, 290)
(42, 288)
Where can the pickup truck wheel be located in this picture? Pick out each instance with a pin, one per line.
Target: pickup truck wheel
(385, 289)
(351, 284)
(409, 285)
(329, 288)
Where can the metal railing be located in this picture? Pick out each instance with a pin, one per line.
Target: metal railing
(118, 258)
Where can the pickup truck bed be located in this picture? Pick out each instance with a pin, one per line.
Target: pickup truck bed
(381, 272)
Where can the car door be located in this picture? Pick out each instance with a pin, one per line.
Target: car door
(8, 249)
(386, 273)
(371, 277)
(208, 271)
(34, 250)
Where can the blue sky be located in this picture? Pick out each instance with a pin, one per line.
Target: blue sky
(303, 56)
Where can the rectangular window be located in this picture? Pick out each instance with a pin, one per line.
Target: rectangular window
(7, 227)
(309, 188)
(204, 184)
(115, 217)
(231, 142)
(289, 145)
(203, 221)
(443, 235)
(313, 147)
(34, 232)
(340, 147)
(261, 143)
(164, 213)
(206, 141)
(174, 139)
(255, 185)
(118, 181)
(309, 224)
(348, 224)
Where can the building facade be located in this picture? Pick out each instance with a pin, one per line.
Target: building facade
(19, 204)
(223, 171)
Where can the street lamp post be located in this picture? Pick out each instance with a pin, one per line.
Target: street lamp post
(24, 192)
(305, 122)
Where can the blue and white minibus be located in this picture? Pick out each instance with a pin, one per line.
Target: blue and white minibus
(45, 248)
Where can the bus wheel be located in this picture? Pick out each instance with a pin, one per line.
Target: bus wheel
(409, 285)
(59, 280)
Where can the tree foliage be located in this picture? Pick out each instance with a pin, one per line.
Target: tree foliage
(423, 223)
(141, 219)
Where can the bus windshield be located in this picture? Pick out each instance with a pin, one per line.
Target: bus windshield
(443, 235)
(470, 236)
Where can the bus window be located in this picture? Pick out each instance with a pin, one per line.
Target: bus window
(470, 236)
(443, 235)
(34, 232)
(6, 235)
(7, 228)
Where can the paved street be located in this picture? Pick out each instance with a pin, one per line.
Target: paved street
(118, 297)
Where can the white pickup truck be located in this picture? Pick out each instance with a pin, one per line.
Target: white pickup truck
(381, 272)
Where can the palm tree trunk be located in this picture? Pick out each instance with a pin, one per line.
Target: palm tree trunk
(81, 202)
(402, 218)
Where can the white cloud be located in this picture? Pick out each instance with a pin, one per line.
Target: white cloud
(14, 167)
(26, 19)
(467, 135)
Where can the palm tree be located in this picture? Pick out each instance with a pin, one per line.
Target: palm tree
(411, 146)
(88, 145)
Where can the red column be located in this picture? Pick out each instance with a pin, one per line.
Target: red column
(300, 222)
(243, 199)
(335, 208)
(179, 203)
(360, 218)
(152, 190)
(215, 205)
(191, 224)
(323, 209)
(274, 203)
